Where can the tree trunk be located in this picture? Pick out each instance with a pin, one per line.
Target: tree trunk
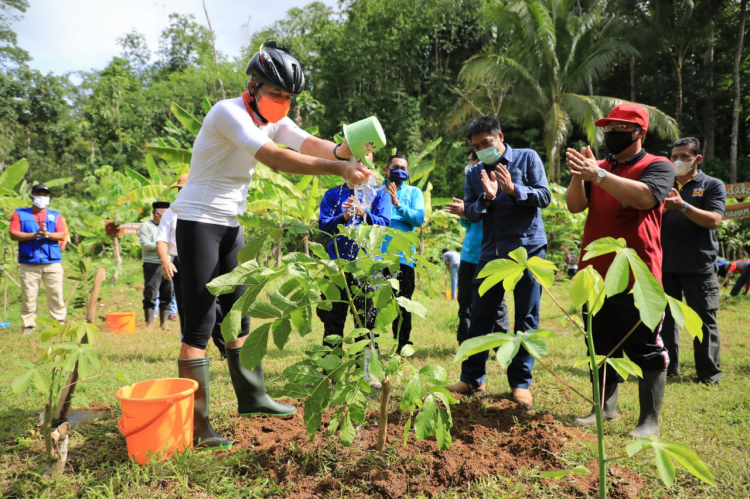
(632, 79)
(383, 416)
(213, 45)
(306, 243)
(709, 110)
(678, 111)
(277, 251)
(118, 258)
(736, 104)
(58, 454)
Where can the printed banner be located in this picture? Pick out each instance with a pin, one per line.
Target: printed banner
(126, 229)
(740, 190)
(739, 210)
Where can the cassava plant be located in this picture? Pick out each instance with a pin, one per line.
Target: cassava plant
(332, 377)
(589, 289)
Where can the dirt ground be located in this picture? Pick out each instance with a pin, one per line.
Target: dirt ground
(489, 438)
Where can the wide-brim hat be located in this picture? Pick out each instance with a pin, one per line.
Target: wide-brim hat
(181, 181)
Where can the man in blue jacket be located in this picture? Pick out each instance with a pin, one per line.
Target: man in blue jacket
(39, 231)
(472, 245)
(506, 191)
(407, 215)
(343, 205)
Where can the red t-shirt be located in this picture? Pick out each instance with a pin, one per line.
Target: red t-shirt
(40, 217)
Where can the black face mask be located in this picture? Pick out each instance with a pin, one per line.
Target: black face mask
(617, 142)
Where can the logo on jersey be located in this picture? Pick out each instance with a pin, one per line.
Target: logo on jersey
(697, 193)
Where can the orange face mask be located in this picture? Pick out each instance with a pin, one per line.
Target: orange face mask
(273, 109)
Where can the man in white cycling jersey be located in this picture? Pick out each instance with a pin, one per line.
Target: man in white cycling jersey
(236, 135)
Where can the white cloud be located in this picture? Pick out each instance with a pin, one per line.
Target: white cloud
(73, 35)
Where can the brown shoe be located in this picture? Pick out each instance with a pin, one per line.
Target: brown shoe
(523, 397)
(466, 389)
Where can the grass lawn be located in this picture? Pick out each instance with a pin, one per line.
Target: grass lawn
(712, 420)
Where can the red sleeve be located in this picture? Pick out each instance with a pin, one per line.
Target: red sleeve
(15, 222)
(61, 225)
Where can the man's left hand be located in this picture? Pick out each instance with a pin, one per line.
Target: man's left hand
(582, 164)
(674, 200)
(356, 172)
(504, 180)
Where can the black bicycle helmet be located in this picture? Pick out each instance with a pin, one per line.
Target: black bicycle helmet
(275, 66)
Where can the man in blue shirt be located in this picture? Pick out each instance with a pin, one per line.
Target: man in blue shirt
(336, 209)
(407, 215)
(506, 191)
(468, 266)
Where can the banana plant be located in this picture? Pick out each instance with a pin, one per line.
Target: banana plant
(590, 289)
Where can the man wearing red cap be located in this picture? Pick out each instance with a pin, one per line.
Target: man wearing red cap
(625, 194)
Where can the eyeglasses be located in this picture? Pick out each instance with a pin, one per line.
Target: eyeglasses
(621, 128)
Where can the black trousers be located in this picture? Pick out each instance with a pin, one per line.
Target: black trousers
(153, 283)
(615, 319)
(206, 252)
(334, 320)
(405, 277)
(701, 292)
(216, 334)
(466, 273)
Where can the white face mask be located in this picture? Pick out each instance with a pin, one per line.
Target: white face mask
(682, 167)
(40, 202)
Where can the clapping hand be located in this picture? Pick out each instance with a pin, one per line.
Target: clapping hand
(456, 208)
(489, 185)
(393, 191)
(503, 178)
(582, 165)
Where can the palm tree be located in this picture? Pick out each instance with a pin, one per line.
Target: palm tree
(548, 54)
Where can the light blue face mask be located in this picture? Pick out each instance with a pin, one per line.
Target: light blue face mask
(490, 155)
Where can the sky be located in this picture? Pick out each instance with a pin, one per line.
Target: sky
(81, 35)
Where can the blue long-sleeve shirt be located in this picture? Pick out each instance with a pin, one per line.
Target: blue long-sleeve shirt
(510, 221)
(408, 216)
(332, 215)
(472, 241)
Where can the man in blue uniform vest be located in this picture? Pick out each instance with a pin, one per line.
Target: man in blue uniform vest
(39, 232)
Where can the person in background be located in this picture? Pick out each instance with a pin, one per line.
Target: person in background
(39, 232)
(152, 277)
(571, 262)
(452, 261)
(407, 215)
(739, 268)
(624, 194)
(467, 269)
(166, 248)
(692, 212)
(336, 209)
(507, 191)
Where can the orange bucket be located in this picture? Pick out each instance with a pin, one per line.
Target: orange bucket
(157, 417)
(121, 322)
(448, 294)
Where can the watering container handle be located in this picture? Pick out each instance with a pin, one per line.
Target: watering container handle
(138, 429)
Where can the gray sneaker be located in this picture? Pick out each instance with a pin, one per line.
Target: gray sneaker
(28, 330)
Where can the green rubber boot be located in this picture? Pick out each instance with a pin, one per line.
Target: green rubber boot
(650, 395)
(250, 388)
(204, 435)
(609, 410)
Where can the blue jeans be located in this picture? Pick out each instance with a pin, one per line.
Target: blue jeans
(454, 280)
(172, 305)
(527, 297)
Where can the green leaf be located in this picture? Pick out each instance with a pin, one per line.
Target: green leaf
(649, 296)
(665, 467)
(387, 314)
(347, 433)
(329, 362)
(542, 270)
(687, 457)
(407, 351)
(481, 344)
(407, 427)
(171, 154)
(282, 328)
(412, 306)
(413, 394)
(303, 372)
(618, 275)
(603, 246)
(424, 423)
(13, 174)
(255, 346)
(153, 171)
(377, 369)
(434, 374)
(357, 347)
(625, 367)
(252, 247)
(263, 310)
(586, 361)
(382, 296)
(507, 352)
(578, 470)
(686, 317)
(394, 366)
(301, 320)
(443, 429)
(187, 119)
(496, 271)
(519, 255)
(281, 301)
(206, 105)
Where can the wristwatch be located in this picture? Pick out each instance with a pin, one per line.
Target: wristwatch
(600, 174)
(685, 208)
(485, 198)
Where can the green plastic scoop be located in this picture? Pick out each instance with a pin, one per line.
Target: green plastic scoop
(363, 137)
